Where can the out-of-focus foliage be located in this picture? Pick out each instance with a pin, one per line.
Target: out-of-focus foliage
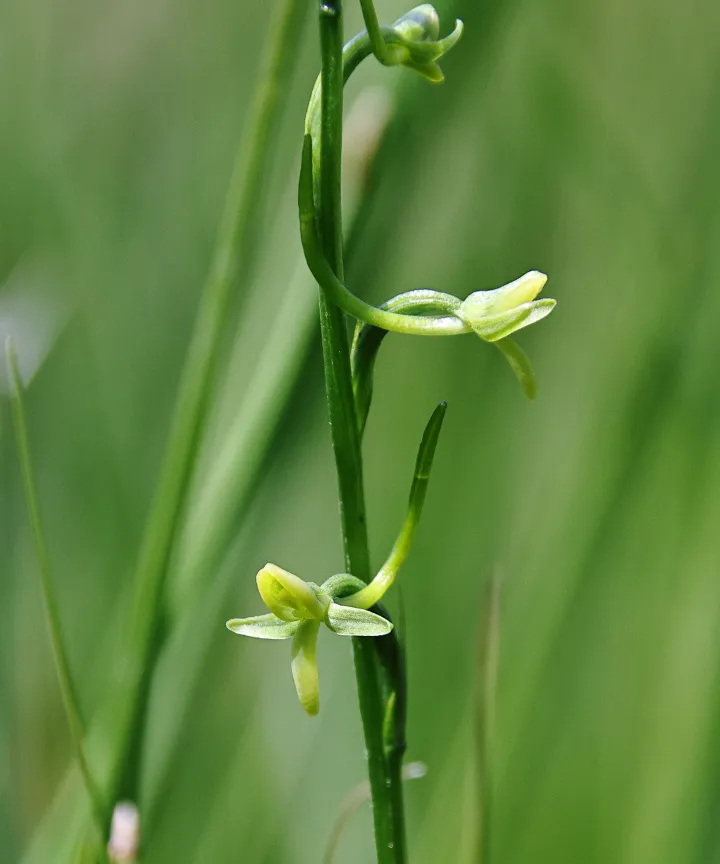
(579, 139)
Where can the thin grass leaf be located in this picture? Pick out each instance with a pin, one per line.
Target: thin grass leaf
(52, 609)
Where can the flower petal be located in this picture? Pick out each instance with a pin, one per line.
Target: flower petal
(263, 627)
(520, 364)
(494, 327)
(348, 621)
(287, 595)
(304, 666)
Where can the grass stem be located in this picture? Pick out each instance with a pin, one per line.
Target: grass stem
(488, 661)
(52, 609)
(230, 269)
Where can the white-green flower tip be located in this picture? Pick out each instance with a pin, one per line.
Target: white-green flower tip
(297, 609)
(421, 24)
(493, 315)
(417, 44)
(288, 596)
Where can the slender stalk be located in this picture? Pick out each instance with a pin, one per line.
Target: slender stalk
(52, 610)
(446, 324)
(353, 801)
(385, 787)
(374, 30)
(488, 659)
(229, 272)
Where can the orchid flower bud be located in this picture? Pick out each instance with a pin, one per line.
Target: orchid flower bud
(413, 41)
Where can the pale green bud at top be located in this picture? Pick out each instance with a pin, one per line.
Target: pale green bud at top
(419, 24)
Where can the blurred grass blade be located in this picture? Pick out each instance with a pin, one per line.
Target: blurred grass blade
(52, 610)
(230, 270)
(354, 801)
(230, 479)
(225, 492)
(488, 659)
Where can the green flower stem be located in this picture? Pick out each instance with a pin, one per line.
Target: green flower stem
(374, 30)
(346, 440)
(52, 611)
(367, 340)
(391, 656)
(489, 650)
(229, 270)
(416, 325)
(387, 803)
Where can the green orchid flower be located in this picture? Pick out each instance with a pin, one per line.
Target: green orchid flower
(342, 603)
(494, 315)
(297, 610)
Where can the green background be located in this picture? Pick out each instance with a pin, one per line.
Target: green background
(580, 139)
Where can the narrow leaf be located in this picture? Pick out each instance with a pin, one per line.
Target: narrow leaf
(375, 591)
(52, 609)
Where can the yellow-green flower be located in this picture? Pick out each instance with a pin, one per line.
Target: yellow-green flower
(297, 609)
